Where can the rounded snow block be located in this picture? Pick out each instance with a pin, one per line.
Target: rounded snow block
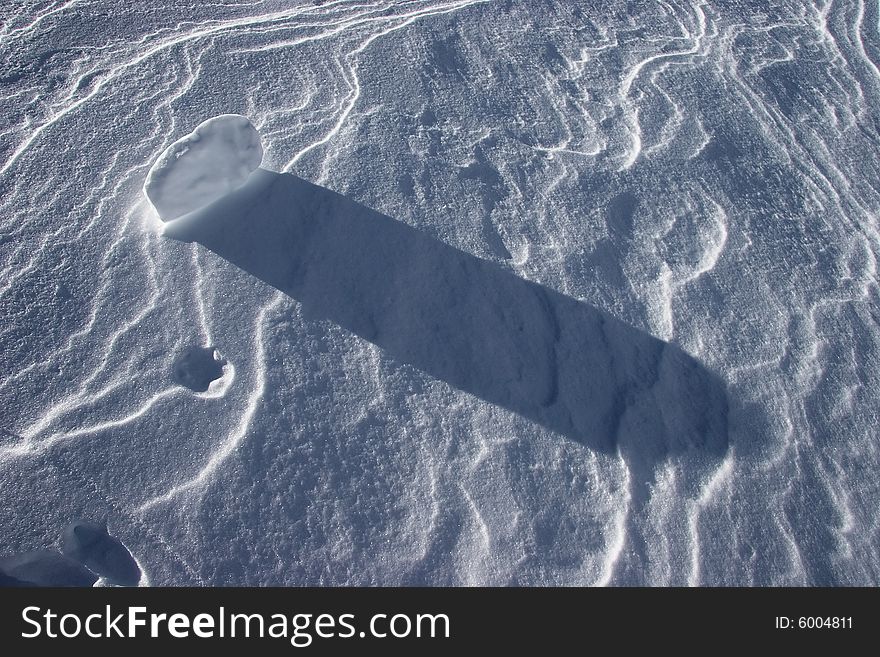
(208, 163)
(90, 544)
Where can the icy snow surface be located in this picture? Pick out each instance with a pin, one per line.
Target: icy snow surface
(524, 293)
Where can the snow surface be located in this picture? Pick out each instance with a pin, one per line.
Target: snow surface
(214, 159)
(91, 545)
(572, 293)
(44, 568)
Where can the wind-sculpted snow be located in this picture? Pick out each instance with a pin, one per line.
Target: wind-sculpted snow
(44, 568)
(90, 544)
(675, 202)
(466, 321)
(89, 557)
(214, 159)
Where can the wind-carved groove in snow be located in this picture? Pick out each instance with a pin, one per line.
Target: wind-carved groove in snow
(434, 519)
(82, 397)
(631, 111)
(102, 295)
(615, 545)
(812, 157)
(199, 294)
(11, 34)
(485, 534)
(29, 447)
(122, 228)
(16, 271)
(736, 55)
(51, 238)
(349, 69)
(101, 298)
(123, 511)
(713, 241)
(708, 496)
(228, 446)
(207, 29)
(351, 79)
(858, 30)
(218, 387)
(563, 146)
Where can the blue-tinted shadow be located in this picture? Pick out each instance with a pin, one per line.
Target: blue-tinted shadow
(561, 363)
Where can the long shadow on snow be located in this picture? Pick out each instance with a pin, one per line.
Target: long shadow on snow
(564, 364)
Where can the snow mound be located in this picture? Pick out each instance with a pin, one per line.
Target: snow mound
(44, 568)
(91, 545)
(211, 161)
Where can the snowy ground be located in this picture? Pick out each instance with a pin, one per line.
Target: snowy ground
(696, 184)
